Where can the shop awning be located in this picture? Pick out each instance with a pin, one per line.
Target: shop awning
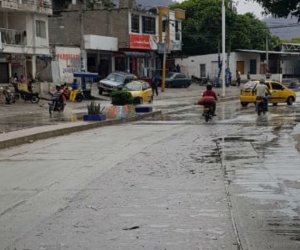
(136, 54)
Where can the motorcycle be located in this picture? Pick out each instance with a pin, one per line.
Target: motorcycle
(79, 96)
(208, 112)
(56, 103)
(28, 96)
(9, 96)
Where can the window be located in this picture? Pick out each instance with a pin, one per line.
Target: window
(164, 25)
(148, 25)
(40, 29)
(176, 26)
(276, 86)
(135, 23)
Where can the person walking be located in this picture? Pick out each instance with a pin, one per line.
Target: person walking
(74, 90)
(154, 84)
(238, 78)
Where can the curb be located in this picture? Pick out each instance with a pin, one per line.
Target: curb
(13, 142)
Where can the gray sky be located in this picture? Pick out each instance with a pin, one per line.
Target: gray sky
(244, 6)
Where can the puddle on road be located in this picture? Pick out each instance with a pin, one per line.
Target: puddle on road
(12, 123)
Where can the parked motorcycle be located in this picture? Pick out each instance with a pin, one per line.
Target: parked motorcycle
(79, 96)
(9, 96)
(201, 80)
(56, 104)
(28, 96)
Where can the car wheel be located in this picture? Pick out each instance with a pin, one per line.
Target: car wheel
(244, 104)
(151, 99)
(290, 100)
(275, 104)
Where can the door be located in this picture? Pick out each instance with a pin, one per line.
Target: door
(4, 77)
(147, 92)
(253, 67)
(202, 70)
(240, 66)
(278, 93)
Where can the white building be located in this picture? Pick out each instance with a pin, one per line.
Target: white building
(24, 36)
(282, 64)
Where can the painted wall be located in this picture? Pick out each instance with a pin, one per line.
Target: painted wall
(69, 62)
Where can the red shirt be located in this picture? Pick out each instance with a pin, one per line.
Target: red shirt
(210, 93)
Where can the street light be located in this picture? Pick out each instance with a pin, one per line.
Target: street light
(223, 47)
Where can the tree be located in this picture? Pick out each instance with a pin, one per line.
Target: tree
(281, 8)
(202, 28)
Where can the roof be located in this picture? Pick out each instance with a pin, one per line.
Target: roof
(270, 52)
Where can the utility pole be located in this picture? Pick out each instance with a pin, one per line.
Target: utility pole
(166, 43)
(223, 47)
(267, 51)
(82, 47)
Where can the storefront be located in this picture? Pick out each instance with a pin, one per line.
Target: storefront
(100, 54)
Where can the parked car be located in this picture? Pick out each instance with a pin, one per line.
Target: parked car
(114, 81)
(177, 80)
(141, 91)
(280, 93)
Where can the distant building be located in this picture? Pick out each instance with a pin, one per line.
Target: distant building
(23, 36)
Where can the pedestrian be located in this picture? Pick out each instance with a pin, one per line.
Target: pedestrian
(238, 78)
(154, 84)
(22, 79)
(14, 82)
(74, 90)
(178, 68)
(30, 83)
(248, 76)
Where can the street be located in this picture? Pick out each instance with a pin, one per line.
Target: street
(173, 182)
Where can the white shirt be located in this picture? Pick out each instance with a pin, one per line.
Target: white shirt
(261, 90)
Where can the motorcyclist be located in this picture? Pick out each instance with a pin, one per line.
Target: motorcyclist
(60, 92)
(260, 90)
(210, 92)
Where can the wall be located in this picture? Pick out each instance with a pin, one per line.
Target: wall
(43, 69)
(68, 62)
(65, 29)
(39, 41)
(191, 65)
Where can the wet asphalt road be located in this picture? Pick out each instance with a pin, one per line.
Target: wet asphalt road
(170, 183)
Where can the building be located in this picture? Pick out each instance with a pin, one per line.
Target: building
(123, 39)
(283, 64)
(24, 36)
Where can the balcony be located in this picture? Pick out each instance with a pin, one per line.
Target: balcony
(33, 6)
(13, 37)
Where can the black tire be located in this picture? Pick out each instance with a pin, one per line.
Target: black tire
(275, 104)
(151, 99)
(50, 110)
(17, 97)
(244, 104)
(290, 101)
(35, 99)
(207, 117)
(79, 98)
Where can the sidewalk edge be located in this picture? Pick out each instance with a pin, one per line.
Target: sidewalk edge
(69, 130)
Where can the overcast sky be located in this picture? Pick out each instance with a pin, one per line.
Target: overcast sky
(244, 6)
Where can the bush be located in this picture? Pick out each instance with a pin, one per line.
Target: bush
(95, 108)
(121, 97)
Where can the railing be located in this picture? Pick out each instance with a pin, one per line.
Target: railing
(40, 3)
(13, 37)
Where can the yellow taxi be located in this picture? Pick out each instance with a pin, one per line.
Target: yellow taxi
(141, 91)
(279, 93)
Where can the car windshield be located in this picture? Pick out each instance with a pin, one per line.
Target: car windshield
(133, 87)
(115, 77)
(170, 74)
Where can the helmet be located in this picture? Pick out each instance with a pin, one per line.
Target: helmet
(262, 81)
(209, 86)
(57, 85)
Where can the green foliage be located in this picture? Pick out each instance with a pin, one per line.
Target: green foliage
(293, 40)
(202, 29)
(95, 108)
(283, 8)
(121, 97)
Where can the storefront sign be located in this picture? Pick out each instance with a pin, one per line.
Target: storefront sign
(147, 42)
